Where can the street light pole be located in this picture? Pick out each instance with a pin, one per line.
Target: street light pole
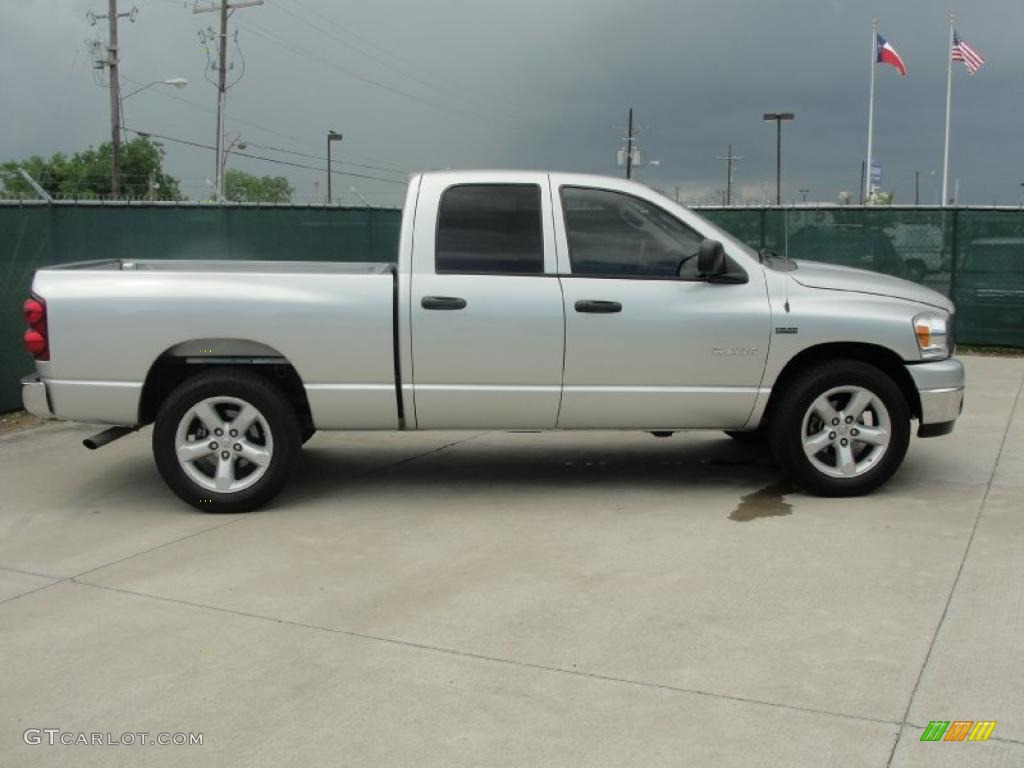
(177, 82)
(331, 136)
(235, 142)
(778, 117)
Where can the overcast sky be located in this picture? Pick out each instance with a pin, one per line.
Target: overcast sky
(540, 84)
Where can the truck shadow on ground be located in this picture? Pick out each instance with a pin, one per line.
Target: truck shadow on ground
(662, 467)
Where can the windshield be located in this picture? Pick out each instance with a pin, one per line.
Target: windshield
(995, 258)
(713, 231)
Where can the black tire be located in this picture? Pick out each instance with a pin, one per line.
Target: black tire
(307, 433)
(787, 433)
(278, 424)
(916, 271)
(757, 436)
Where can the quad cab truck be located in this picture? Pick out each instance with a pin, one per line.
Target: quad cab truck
(518, 301)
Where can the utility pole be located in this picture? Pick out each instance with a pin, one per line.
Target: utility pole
(917, 187)
(629, 153)
(223, 8)
(115, 104)
(111, 63)
(629, 145)
(729, 160)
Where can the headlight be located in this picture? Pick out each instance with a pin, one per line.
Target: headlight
(933, 335)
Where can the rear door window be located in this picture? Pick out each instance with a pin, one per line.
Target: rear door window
(490, 229)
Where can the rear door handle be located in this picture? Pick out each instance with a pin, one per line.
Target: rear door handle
(598, 307)
(442, 302)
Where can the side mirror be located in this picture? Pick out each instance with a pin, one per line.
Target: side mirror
(711, 258)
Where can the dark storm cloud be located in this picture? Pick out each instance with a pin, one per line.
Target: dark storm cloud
(541, 84)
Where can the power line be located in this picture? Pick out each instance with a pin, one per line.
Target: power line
(224, 8)
(261, 157)
(729, 158)
(264, 129)
(403, 71)
(318, 157)
(298, 50)
(111, 64)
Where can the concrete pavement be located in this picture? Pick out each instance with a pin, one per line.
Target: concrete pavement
(520, 599)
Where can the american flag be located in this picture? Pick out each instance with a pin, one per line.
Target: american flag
(963, 52)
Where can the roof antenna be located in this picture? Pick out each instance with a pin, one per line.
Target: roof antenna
(785, 250)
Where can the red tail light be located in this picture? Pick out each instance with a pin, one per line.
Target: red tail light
(36, 341)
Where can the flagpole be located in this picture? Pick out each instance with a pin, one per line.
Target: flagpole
(949, 102)
(871, 109)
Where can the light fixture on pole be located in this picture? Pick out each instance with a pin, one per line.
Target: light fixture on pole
(332, 135)
(176, 82)
(778, 117)
(236, 141)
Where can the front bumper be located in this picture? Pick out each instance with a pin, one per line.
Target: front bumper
(940, 386)
(35, 397)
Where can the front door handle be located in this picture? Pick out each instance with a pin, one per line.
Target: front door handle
(442, 302)
(598, 307)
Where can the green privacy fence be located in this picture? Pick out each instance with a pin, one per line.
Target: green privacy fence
(34, 235)
(976, 256)
(973, 255)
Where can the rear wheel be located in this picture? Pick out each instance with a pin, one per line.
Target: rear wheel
(225, 440)
(841, 428)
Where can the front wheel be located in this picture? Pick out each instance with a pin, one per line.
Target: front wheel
(225, 440)
(841, 428)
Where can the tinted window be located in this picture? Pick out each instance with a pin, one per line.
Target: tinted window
(995, 258)
(612, 234)
(863, 248)
(490, 228)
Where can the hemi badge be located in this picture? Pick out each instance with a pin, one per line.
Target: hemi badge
(785, 329)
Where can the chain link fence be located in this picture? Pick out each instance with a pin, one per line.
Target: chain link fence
(973, 255)
(33, 235)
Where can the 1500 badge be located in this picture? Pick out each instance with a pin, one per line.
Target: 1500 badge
(734, 351)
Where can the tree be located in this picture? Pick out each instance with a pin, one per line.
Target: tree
(242, 187)
(86, 174)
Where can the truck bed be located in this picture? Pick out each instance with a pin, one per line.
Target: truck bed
(231, 265)
(112, 321)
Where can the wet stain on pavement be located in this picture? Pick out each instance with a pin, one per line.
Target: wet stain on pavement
(768, 502)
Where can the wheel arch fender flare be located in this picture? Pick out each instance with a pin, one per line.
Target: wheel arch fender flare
(189, 357)
(883, 358)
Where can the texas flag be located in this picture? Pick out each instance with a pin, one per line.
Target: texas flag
(887, 55)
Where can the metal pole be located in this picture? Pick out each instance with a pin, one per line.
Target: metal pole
(917, 187)
(221, 89)
(871, 110)
(115, 104)
(949, 102)
(728, 177)
(629, 145)
(778, 161)
(328, 168)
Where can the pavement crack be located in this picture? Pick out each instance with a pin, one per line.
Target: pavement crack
(959, 573)
(238, 519)
(646, 684)
(23, 572)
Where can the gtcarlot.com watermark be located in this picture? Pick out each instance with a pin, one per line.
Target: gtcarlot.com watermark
(55, 737)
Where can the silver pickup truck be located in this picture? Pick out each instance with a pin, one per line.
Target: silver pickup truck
(519, 300)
